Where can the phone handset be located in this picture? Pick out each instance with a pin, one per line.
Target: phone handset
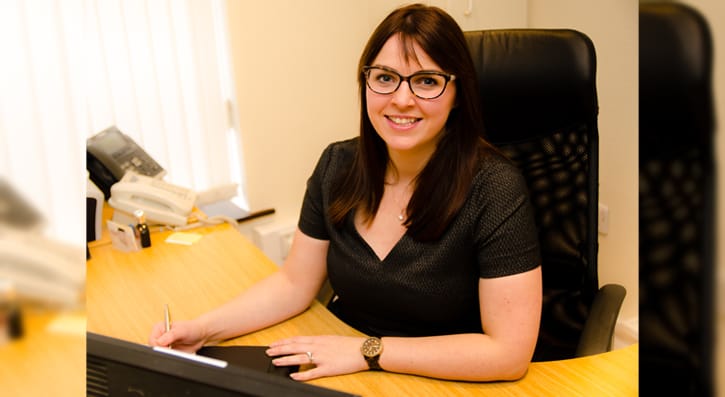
(162, 202)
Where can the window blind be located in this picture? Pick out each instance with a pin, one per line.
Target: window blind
(156, 69)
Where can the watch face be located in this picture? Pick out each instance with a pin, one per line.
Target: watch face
(372, 347)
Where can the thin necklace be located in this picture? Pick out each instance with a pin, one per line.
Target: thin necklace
(401, 215)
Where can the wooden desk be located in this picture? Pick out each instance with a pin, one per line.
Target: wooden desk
(126, 293)
(44, 362)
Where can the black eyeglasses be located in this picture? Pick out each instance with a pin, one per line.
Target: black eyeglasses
(425, 84)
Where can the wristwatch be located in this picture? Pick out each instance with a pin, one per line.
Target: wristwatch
(371, 350)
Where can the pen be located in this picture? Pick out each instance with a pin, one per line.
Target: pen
(167, 320)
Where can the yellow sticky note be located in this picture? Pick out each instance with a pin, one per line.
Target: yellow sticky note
(68, 323)
(183, 238)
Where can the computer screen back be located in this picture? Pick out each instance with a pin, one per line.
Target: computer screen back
(116, 367)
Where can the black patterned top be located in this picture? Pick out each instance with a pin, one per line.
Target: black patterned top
(428, 288)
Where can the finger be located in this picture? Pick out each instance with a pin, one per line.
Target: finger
(309, 374)
(292, 359)
(167, 338)
(294, 340)
(286, 349)
(156, 331)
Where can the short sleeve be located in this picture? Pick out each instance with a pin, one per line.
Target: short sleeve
(312, 215)
(506, 234)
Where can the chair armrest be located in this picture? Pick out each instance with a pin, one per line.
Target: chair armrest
(326, 293)
(599, 328)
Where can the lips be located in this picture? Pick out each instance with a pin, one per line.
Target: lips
(403, 121)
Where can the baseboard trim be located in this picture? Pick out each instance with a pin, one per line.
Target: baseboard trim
(626, 332)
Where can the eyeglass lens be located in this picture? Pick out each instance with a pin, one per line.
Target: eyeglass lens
(426, 85)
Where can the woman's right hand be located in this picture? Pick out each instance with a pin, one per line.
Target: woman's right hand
(186, 336)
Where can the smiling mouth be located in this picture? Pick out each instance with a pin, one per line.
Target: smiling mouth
(403, 121)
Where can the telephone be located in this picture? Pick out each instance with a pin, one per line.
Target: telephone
(41, 269)
(38, 268)
(110, 153)
(162, 202)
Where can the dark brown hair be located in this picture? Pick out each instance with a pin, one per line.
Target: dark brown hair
(442, 186)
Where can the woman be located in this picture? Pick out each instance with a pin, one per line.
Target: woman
(424, 230)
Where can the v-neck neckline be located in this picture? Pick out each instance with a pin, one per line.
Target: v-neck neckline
(367, 245)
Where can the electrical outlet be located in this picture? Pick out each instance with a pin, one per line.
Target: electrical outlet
(603, 219)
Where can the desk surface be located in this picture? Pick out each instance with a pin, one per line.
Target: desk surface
(126, 293)
(49, 360)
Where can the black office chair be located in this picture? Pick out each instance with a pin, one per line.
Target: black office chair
(540, 108)
(676, 202)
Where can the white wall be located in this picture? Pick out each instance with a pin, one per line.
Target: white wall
(295, 77)
(294, 66)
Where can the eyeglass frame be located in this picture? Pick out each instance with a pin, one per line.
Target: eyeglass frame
(447, 76)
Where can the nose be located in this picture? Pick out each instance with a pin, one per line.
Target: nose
(403, 96)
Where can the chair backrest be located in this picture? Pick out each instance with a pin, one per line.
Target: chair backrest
(540, 107)
(677, 200)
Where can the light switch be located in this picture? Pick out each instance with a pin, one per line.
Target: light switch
(603, 219)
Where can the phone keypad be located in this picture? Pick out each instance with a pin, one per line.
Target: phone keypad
(141, 166)
(177, 190)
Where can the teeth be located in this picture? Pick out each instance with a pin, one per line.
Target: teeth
(402, 120)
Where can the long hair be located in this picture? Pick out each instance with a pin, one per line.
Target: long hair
(442, 186)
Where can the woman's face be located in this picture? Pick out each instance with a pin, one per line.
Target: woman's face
(404, 121)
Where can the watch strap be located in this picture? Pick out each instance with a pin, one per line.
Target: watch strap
(373, 363)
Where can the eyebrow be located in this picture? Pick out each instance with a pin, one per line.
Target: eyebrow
(395, 71)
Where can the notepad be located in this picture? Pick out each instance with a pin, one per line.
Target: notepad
(252, 357)
(183, 238)
(69, 324)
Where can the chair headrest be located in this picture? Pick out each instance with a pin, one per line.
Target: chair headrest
(675, 69)
(534, 81)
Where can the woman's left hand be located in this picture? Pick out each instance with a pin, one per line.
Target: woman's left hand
(329, 355)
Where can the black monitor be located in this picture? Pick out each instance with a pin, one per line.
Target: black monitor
(115, 367)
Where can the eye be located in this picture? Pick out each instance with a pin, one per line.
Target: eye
(383, 77)
(427, 80)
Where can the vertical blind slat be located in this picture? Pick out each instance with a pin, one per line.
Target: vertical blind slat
(75, 67)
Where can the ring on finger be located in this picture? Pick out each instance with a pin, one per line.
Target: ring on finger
(309, 357)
